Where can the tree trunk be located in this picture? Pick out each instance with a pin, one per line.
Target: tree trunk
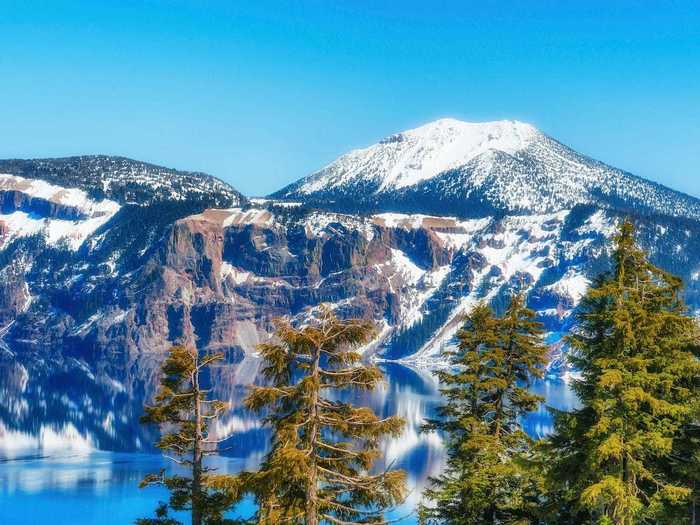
(197, 449)
(312, 483)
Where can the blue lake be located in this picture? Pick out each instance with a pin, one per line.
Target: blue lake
(52, 471)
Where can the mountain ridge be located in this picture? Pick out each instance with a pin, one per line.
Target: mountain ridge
(143, 257)
(124, 180)
(511, 168)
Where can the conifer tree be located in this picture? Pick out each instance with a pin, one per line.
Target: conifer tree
(487, 479)
(684, 469)
(184, 411)
(639, 378)
(319, 469)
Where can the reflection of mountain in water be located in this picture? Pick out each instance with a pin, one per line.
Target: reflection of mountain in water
(60, 404)
(65, 405)
(55, 407)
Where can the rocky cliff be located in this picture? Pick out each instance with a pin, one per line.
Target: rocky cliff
(110, 261)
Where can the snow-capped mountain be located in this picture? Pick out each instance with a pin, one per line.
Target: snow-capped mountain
(123, 180)
(477, 169)
(105, 256)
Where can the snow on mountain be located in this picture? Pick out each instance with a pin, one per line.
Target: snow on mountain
(125, 181)
(69, 197)
(408, 158)
(538, 254)
(103, 254)
(29, 207)
(478, 169)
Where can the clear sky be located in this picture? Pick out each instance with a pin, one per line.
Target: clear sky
(260, 93)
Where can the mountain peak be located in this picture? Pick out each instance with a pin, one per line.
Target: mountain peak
(409, 157)
(501, 128)
(472, 169)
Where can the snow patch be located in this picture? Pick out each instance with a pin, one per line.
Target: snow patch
(73, 232)
(408, 158)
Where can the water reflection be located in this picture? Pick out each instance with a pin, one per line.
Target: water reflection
(559, 396)
(56, 414)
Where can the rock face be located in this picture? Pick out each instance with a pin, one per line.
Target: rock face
(110, 261)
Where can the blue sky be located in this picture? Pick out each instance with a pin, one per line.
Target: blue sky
(261, 93)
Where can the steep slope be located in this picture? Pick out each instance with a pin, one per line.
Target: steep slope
(217, 279)
(68, 226)
(474, 170)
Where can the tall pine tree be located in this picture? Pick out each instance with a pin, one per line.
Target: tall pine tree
(684, 469)
(320, 467)
(488, 479)
(632, 346)
(184, 411)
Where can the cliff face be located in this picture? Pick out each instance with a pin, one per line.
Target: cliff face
(115, 282)
(218, 280)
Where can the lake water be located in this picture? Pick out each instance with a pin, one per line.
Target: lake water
(51, 472)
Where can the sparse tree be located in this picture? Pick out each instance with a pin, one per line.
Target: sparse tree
(184, 412)
(320, 467)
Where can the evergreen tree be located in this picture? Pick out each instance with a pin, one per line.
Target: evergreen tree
(320, 467)
(684, 469)
(632, 346)
(182, 408)
(488, 479)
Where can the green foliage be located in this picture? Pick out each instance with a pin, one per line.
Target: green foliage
(183, 408)
(320, 467)
(684, 469)
(488, 478)
(612, 459)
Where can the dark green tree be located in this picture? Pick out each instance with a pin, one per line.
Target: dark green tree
(488, 478)
(611, 457)
(684, 469)
(319, 469)
(184, 412)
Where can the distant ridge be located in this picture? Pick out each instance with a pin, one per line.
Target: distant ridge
(124, 180)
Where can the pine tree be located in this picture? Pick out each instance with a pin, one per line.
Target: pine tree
(684, 469)
(183, 409)
(319, 469)
(487, 479)
(611, 456)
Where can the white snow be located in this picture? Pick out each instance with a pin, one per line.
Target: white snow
(516, 245)
(70, 197)
(453, 232)
(226, 217)
(507, 164)
(21, 224)
(406, 268)
(259, 201)
(599, 222)
(254, 216)
(419, 154)
(316, 224)
(573, 284)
